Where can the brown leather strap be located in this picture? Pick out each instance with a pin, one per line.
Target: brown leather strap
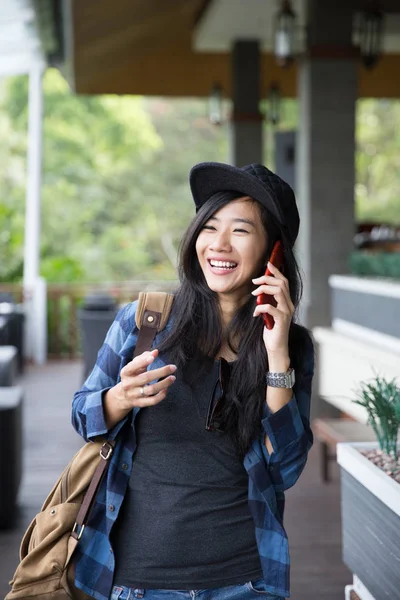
(160, 302)
(151, 323)
(83, 514)
(148, 331)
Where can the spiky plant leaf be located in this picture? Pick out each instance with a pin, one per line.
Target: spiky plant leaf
(381, 400)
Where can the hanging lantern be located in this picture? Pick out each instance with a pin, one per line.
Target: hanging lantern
(215, 105)
(371, 34)
(285, 34)
(274, 104)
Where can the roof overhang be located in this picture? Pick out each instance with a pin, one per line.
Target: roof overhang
(224, 21)
(182, 48)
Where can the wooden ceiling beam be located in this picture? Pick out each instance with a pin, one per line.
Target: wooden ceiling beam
(144, 47)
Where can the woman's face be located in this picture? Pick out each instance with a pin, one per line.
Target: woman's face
(231, 248)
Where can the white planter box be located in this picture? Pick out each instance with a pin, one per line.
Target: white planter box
(370, 522)
(359, 588)
(386, 489)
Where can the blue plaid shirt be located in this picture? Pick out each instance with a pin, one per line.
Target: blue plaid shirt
(269, 475)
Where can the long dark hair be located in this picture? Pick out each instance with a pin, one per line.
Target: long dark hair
(197, 330)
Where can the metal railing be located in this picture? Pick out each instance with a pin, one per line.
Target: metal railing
(64, 301)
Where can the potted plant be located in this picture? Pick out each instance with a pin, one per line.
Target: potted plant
(370, 476)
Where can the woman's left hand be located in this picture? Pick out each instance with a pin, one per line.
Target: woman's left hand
(275, 339)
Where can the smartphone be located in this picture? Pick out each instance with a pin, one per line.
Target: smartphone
(277, 260)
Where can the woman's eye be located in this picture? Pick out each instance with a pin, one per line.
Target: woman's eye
(209, 227)
(242, 230)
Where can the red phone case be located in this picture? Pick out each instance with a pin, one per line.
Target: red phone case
(277, 260)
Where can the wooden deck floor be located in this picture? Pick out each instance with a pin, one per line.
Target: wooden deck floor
(312, 514)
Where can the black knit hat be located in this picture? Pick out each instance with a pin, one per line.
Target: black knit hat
(255, 181)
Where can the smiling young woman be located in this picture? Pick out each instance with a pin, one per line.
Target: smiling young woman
(223, 429)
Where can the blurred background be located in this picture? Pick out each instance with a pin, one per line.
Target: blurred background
(104, 108)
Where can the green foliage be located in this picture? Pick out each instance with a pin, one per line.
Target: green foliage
(377, 190)
(377, 264)
(59, 269)
(115, 194)
(12, 198)
(377, 161)
(287, 122)
(381, 399)
(11, 245)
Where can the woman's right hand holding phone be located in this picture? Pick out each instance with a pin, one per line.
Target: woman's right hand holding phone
(135, 389)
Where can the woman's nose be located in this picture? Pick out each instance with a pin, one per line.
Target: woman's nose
(221, 242)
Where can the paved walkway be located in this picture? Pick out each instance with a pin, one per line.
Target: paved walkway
(312, 514)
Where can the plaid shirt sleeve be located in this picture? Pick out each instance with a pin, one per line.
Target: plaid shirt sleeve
(289, 430)
(87, 406)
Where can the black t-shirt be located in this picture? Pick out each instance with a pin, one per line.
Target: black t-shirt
(185, 521)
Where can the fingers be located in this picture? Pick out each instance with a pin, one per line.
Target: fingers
(280, 292)
(276, 279)
(139, 364)
(276, 285)
(268, 308)
(134, 383)
(145, 380)
(270, 289)
(154, 393)
(276, 274)
(137, 389)
(272, 310)
(283, 318)
(275, 271)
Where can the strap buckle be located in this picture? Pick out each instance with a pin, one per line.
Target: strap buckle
(75, 530)
(108, 449)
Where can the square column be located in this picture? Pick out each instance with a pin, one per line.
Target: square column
(327, 86)
(246, 144)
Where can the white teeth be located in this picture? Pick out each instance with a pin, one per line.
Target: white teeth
(222, 264)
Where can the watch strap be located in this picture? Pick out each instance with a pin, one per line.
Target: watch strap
(280, 380)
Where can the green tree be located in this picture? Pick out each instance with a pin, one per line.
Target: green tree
(115, 195)
(89, 147)
(12, 197)
(378, 161)
(115, 192)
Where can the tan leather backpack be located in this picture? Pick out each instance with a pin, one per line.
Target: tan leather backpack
(46, 571)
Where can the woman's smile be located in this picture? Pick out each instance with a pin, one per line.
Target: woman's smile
(221, 266)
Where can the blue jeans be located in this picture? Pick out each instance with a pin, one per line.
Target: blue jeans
(246, 591)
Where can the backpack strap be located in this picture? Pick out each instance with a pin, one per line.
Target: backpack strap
(151, 317)
(106, 451)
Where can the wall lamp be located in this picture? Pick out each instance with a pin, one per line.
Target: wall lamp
(285, 34)
(215, 105)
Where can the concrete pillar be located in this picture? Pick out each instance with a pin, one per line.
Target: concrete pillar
(246, 144)
(34, 286)
(325, 154)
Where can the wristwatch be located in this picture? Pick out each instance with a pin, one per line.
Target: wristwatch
(280, 380)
